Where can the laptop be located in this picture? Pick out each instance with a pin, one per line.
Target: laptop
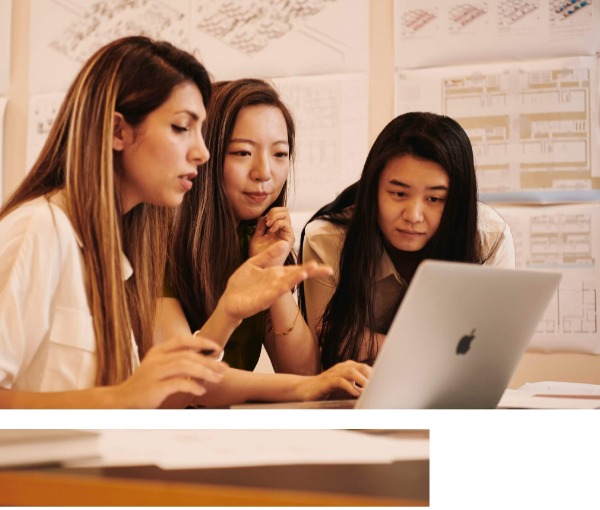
(456, 339)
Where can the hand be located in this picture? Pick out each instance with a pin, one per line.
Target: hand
(349, 376)
(175, 366)
(257, 283)
(274, 226)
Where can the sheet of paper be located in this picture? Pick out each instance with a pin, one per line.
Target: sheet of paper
(331, 115)
(533, 125)
(432, 33)
(3, 102)
(562, 238)
(234, 38)
(262, 38)
(520, 399)
(561, 388)
(187, 449)
(5, 23)
(43, 109)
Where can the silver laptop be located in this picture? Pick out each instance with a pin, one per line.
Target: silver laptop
(456, 338)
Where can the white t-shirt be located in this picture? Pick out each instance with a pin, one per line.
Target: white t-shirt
(323, 243)
(47, 340)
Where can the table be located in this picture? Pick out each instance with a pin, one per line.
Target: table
(403, 483)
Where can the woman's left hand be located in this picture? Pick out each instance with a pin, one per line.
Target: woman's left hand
(274, 226)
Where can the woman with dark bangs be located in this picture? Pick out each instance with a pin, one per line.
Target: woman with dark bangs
(416, 200)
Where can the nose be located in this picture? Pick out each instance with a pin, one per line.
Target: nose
(198, 153)
(413, 212)
(261, 169)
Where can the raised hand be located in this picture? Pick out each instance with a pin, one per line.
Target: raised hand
(271, 228)
(261, 280)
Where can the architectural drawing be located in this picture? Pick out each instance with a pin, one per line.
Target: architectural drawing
(99, 22)
(414, 20)
(532, 125)
(42, 112)
(562, 238)
(462, 15)
(331, 115)
(461, 32)
(565, 9)
(512, 11)
(249, 26)
(5, 18)
(277, 38)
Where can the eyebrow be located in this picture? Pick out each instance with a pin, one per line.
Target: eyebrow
(404, 185)
(247, 140)
(192, 114)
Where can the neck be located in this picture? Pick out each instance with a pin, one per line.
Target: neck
(405, 262)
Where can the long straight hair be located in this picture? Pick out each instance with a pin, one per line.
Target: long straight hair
(132, 76)
(208, 251)
(426, 136)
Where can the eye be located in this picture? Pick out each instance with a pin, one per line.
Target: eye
(179, 129)
(398, 194)
(240, 153)
(282, 154)
(435, 200)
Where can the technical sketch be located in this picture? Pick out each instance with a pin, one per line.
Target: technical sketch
(511, 11)
(250, 26)
(5, 22)
(42, 112)
(562, 238)
(564, 9)
(102, 21)
(531, 126)
(331, 115)
(492, 31)
(414, 20)
(462, 15)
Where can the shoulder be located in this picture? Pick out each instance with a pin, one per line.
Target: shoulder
(489, 221)
(496, 238)
(323, 239)
(35, 229)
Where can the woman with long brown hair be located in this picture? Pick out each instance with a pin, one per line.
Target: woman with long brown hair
(239, 211)
(82, 240)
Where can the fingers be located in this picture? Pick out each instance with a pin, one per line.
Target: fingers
(350, 376)
(273, 253)
(314, 270)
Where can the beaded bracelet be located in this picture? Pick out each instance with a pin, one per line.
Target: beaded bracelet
(290, 328)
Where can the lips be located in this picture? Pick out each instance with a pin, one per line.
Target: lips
(410, 232)
(186, 180)
(257, 196)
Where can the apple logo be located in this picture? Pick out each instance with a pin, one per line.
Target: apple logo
(464, 344)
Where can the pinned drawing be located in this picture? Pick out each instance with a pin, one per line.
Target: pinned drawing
(462, 15)
(99, 22)
(513, 11)
(251, 26)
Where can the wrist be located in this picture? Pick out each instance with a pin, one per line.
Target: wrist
(221, 324)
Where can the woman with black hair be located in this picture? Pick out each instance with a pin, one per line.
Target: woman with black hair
(416, 200)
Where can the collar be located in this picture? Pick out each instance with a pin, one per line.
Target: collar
(386, 268)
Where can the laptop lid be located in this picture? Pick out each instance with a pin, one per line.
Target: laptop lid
(457, 336)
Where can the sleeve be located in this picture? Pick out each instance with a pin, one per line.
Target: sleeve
(318, 291)
(29, 276)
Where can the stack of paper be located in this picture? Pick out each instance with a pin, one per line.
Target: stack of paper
(33, 447)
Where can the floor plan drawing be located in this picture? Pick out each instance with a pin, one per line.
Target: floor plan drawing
(562, 238)
(531, 125)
